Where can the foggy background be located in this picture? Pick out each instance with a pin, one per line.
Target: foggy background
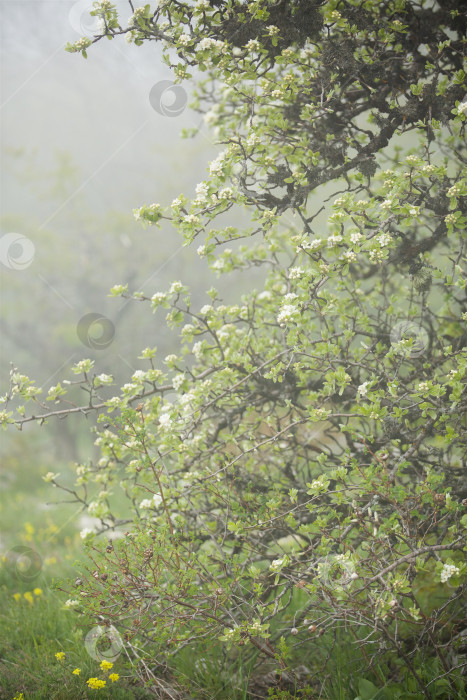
(82, 147)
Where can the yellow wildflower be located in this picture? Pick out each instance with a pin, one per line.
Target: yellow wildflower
(77, 671)
(19, 696)
(60, 655)
(95, 683)
(37, 591)
(29, 597)
(114, 677)
(17, 596)
(106, 665)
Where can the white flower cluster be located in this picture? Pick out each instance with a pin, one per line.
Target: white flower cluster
(177, 381)
(384, 239)
(448, 571)
(454, 190)
(202, 191)
(363, 389)
(158, 297)
(252, 45)
(334, 240)
(184, 39)
(165, 421)
(288, 313)
(226, 193)
(105, 379)
(82, 44)
(153, 502)
(207, 43)
(216, 166)
(50, 476)
(197, 349)
(191, 219)
(85, 533)
(277, 564)
(138, 14)
(462, 108)
(314, 245)
(176, 287)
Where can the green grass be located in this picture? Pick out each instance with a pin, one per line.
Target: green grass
(33, 628)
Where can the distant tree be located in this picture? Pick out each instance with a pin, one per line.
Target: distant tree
(295, 473)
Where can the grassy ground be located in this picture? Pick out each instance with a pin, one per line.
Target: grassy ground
(38, 547)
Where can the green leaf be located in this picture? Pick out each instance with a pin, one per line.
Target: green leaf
(366, 689)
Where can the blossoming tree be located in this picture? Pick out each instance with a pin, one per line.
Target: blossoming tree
(294, 472)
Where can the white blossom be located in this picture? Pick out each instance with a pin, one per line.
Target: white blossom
(384, 239)
(165, 421)
(202, 190)
(184, 39)
(197, 350)
(363, 388)
(225, 193)
(287, 313)
(50, 476)
(448, 571)
(216, 166)
(333, 240)
(252, 45)
(176, 287)
(208, 43)
(177, 381)
(104, 378)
